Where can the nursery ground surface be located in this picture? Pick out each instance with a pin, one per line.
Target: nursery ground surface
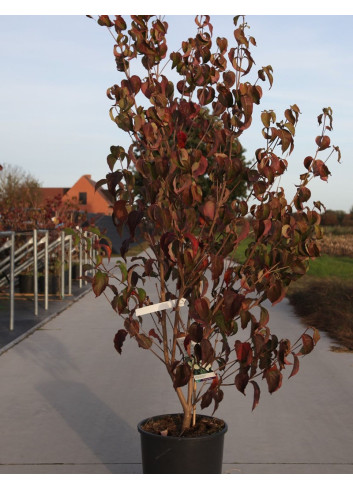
(71, 404)
(171, 425)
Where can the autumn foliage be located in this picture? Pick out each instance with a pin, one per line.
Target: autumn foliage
(191, 235)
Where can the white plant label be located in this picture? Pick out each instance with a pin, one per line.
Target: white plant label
(161, 306)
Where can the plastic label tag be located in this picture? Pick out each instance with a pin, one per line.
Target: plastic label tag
(200, 372)
(161, 306)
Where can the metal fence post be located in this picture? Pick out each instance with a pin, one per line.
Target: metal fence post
(46, 270)
(62, 264)
(80, 262)
(12, 281)
(91, 255)
(35, 271)
(85, 259)
(70, 264)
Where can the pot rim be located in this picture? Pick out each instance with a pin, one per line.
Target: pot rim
(178, 438)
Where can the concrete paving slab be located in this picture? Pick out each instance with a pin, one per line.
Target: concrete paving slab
(70, 404)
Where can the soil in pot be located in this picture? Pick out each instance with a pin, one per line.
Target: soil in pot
(171, 425)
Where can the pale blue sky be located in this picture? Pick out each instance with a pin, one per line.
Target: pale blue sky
(55, 70)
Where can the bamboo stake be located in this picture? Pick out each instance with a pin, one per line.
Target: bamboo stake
(194, 406)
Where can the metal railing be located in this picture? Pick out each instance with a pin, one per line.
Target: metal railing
(34, 253)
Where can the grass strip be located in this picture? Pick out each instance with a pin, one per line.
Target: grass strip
(332, 266)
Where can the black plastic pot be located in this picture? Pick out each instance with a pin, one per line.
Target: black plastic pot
(26, 284)
(181, 455)
(75, 271)
(54, 283)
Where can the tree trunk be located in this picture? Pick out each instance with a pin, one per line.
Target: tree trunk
(187, 404)
(187, 419)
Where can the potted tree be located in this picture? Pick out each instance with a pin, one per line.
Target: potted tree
(211, 325)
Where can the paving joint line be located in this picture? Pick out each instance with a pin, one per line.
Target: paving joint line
(139, 463)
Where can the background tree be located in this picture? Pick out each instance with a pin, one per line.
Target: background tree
(18, 188)
(22, 207)
(195, 140)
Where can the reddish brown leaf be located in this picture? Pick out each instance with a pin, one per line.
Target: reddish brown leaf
(182, 375)
(215, 383)
(228, 78)
(206, 95)
(200, 167)
(276, 292)
(143, 341)
(321, 170)
(132, 326)
(149, 267)
(323, 142)
(101, 182)
(165, 241)
(120, 23)
(119, 211)
(241, 381)
(153, 333)
(209, 209)
(283, 352)
(295, 366)
(206, 399)
(304, 194)
(194, 243)
(100, 282)
(258, 341)
(202, 308)
(308, 344)
(307, 162)
(119, 339)
(264, 317)
(195, 332)
(207, 352)
(135, 83)
(107, 249)
(104, 20)
(232, 304)
(133, 220)
(256, 394)
(267, 226)
(125, 247)
(245, 229)
(316, 335)
(244, 352)
(181, 138)
(274, 378)
(217, 263)
(132, 276)
(218, 397)
(228, 275)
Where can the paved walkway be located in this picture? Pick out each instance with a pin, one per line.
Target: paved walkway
(25, 320)
(70, 404)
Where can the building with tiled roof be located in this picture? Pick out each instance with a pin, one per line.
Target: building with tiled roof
(83, 192)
